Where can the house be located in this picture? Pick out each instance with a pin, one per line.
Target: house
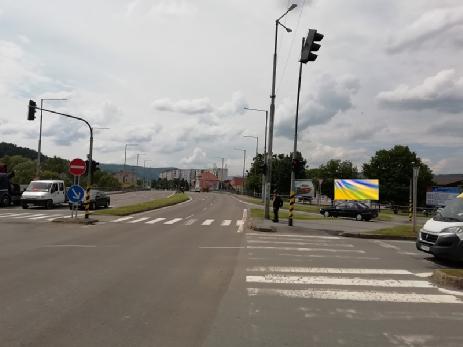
(451, 180)
(237, 183)
(126, 178)
(208, 181)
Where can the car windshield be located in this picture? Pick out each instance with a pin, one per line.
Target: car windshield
(453, 212)
(38, 187)
(362, 205)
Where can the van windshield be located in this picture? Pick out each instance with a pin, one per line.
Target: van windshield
(38, 187)
(453, 212)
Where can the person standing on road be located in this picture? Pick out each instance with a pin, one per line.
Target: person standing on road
(277, 203)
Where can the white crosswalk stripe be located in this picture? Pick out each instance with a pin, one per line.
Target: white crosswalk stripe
(138, 220)
(226, 222)
(53, 217)
(154, 221)
(331, 283)
(207, 222)
(34, 215)
(121, 219)
(173, 221)
(239, 223)
(191, 221)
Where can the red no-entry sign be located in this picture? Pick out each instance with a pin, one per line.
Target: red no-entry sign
(77, 167)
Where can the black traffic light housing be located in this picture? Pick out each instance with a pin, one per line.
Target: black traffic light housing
(95, 166)
(310, 46)
(295, 165)
(31, 111)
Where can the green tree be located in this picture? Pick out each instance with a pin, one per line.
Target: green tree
(394, 169)
(334, 169)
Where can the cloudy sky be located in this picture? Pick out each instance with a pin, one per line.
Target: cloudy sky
(173, 76)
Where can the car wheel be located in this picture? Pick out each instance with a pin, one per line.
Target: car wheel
(359, 217)
(5, 201)
(49, 204)
(326, 214)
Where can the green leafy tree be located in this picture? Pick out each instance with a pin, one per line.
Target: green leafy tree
(334, 169)
(394, 169)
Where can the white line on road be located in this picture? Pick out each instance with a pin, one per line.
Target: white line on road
(347, 245)
(45, 216)
(138, 220)
(326, 256)
(173, 221)
(303, 249)
(357, 296)
(155, 221)
(221, 247)
(6, 215)
(241, 223)
(78, 246)
(34, 215)
(55, 217)
(329, 270)
(207, 222)
(298, 236)
(17, 214)
(339, 281)
(121, 219)
(226, 222)
(190, 221)
(22, 215)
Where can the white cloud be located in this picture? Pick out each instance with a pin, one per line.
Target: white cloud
(442, 92)
(197, 159)
(435, 25)
(192, 106)
(173, 8)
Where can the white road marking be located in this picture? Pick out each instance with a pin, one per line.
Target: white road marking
(191, 215)
(35, 215)
(17, 214)
(207, 222)
(329, 270)
(173, 221)
(138, 220)
(78, 246)
(347, 245)
(45, 216)
(243, 221)
(190, 221)
(327, 256)
(121, 219)
(56, 217)
(424, 274)
(226, 222)
(303, 249)
(22, 215)
(386, 245)
(357, 296)
(6, 214)
(155, 221)
(453, 292)
(221, 247)
(299, 236)
(339, 281)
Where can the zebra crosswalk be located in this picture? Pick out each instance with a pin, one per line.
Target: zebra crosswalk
(179, 220)
(343, 283)
(31, 216)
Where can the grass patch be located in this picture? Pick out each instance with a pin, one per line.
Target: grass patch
(259, 213)
(453, 272)
(399, 230)
(144, 206)
(385, 217)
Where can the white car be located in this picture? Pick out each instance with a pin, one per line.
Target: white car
(442, 235)
(46, 193)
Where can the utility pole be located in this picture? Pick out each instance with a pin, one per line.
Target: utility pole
(416, 172)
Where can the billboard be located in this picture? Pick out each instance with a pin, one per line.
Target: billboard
(304, 188)
(356, 189)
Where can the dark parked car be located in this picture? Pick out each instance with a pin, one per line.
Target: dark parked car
(356, 210)
(97, 199)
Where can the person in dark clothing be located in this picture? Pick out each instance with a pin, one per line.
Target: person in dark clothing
(277, 203)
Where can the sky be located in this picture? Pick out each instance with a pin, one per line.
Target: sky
(170, 79)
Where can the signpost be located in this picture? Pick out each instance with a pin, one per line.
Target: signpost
(76, 193)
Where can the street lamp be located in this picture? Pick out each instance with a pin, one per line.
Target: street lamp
(244, 163)
(265, 194)
(144, 171)
(257, 142)
(39, 150)
(272, 103)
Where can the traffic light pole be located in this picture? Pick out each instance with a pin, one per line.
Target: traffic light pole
(293, 172)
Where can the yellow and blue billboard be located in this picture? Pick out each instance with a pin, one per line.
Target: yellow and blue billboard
(356, 189)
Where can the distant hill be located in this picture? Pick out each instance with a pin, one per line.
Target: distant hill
(11, 149)
(149, 173)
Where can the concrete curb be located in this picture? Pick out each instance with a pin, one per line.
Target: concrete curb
(81, 221)
(253, 226)
(376, 236)
(444, 279)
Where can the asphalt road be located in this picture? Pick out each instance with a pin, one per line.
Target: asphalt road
(191, 275)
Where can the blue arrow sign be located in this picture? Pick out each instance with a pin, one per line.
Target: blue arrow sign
(76, 194)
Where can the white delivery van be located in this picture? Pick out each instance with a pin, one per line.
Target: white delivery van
(46, 193)
(442, 235)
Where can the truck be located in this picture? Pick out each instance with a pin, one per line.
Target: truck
(10, 193)
(46, 193)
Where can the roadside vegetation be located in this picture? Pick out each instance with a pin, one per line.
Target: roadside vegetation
(144, 206)
(453, 272)
(399, 230)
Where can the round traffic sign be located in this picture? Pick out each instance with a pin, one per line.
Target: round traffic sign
(76, 194)
(77, 167)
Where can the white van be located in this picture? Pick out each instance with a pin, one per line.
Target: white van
(46, 193)
(442, 235)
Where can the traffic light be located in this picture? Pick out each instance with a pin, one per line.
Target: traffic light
(310, 46)
(31, 113)
(95, 166)
(295, 165)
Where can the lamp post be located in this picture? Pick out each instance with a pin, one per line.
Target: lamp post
(265, 189)
(144, 171)
(39, 150)
(244, 163)
(272, 103)
(416, 172)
